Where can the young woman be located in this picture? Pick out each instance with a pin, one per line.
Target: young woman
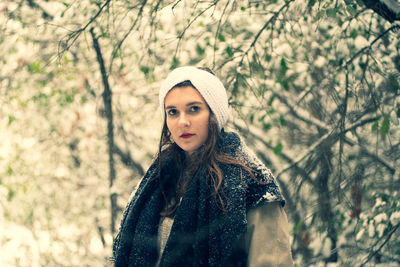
(206, 200)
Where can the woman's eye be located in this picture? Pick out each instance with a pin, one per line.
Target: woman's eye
(194, 109)
(171, 112)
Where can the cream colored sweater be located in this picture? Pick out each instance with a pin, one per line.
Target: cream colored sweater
(267, 234)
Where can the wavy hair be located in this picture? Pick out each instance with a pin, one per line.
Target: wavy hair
(207, 155)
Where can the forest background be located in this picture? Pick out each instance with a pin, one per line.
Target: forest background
(313, 88)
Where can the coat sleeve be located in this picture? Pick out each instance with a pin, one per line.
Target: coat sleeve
(267, 236)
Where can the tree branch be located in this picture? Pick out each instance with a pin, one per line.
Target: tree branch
(218, 31)
(118, 47)
(373, 253)
(362, 51)
(282, 155)
(75, 34)
(292, 109)
(342, 126)
(271, 20)
(180, 36)
(126, 159)
(372, 155)
(107, 100)
(45, 14)
(332, 137)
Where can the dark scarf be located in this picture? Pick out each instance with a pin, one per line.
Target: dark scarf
(202, 234)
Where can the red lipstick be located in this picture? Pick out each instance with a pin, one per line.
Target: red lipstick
(186, 135)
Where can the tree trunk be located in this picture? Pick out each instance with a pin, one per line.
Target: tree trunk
(325, 202)
(107, 100)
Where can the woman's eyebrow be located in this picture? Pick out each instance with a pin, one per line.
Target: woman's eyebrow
(170, 106)
(188, 104)
(194, 103)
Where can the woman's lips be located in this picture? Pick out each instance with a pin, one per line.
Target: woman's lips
(186, 135)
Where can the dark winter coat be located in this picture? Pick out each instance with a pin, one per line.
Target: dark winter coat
(202, 234)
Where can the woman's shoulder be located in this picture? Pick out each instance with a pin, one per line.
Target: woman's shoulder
(235, 146)
(261, 187)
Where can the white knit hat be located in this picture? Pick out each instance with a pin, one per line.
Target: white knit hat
(208, 85)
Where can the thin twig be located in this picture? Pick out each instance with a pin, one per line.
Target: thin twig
(282, 155)
(396, 26)
(75, 34)
(373, 155)
(118, 47)
(218, 30)
(270, 21)
(373, 253)
(180, 36)
(342, 126)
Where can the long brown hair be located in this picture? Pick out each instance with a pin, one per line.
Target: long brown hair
(186, 166)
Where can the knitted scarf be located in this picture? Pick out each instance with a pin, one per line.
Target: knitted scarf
(202, 234)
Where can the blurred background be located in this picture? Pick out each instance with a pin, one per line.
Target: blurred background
(313, 88)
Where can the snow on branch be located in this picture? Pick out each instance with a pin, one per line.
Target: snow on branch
(362, 51)
(388, 9)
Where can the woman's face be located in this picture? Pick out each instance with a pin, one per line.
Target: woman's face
(187, 117)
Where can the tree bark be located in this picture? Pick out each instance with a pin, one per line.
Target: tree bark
(325, 199)
(107, 100)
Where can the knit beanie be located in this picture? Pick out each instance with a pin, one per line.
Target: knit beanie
(208, 85)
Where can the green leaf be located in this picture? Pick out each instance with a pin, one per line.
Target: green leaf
(282, 120)
(9, 170)
(285, 84)
(229, 51)
(10, 195)
(331, 12)
(35, 67)
(311, 3)
(200, 50)
(351, 9)
(360, 2)
(362, 65)
(144, 69)
(271, 111)
(240, 82)
(42, 99)
(282, 73)
(175, 63)
(271, 100)
(393, 85)
(319, 15)
(11, 119)
(256, 67)
(385, 126)
(284, 66)
(65, 4)
(353, 33)
(251, 118)
(69, 99)
(266, 126)
(65, 99)
(298, 228)
(398, 110)
(278, 149)
(242, 8)
(84, 99)
(221, 38)
(351, 157)
(281, 77)
(374, 126)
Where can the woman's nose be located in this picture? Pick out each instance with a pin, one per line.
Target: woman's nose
(184, 120)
